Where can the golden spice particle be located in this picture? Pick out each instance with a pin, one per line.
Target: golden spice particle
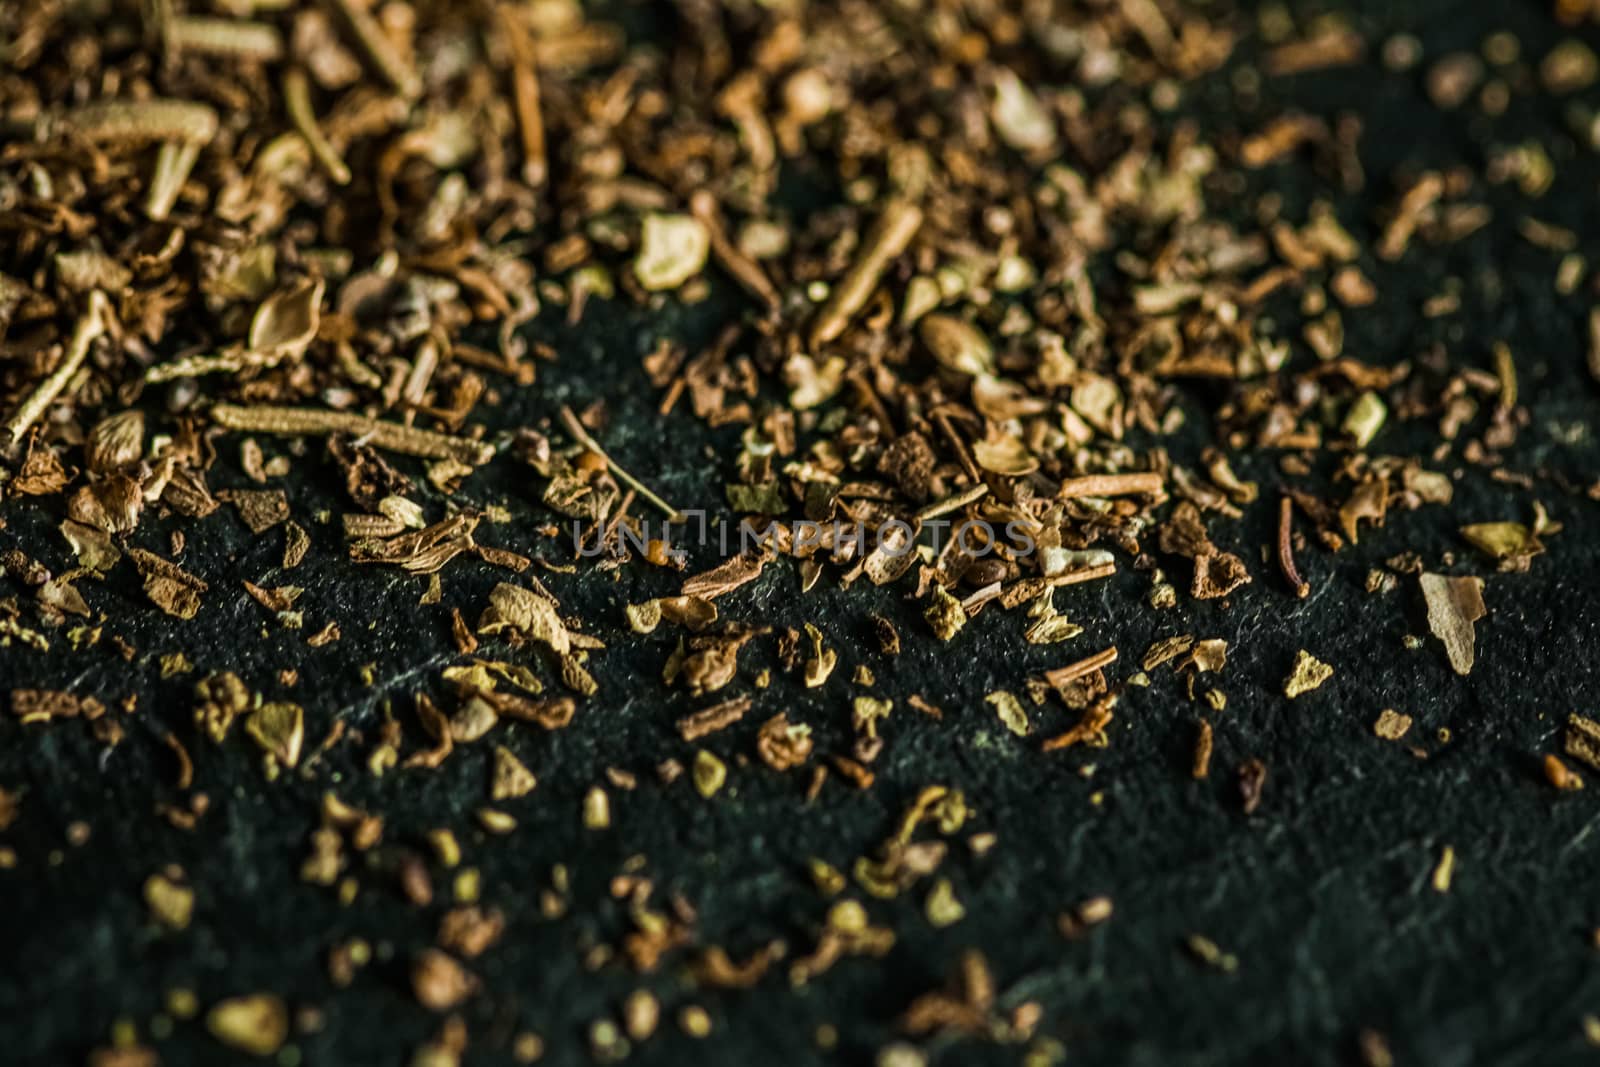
(695, 1021)
(596, 809)
(1207, 951)
(439, 982)
(945, 614)
(822, 661)
(511, 778)
(495, 821)
(171, 903)
(1307, 674)
(1391, 725)
(1203, 743)
(709, 774)
(942, 908)
(1444, 871)
(641, 1014)
(257, 1024)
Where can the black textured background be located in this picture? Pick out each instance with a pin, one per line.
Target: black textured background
(1323, 894)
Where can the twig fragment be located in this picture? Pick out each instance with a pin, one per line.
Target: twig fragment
(1088, 665)
(140, 122)
(525, 95)
(746, 271)
(1301, 588)
(888, 238)
(1101, 485)
(579, 434)
(380, 52)
(211, 35)
(954, 503)
(941, 420)
(174, 162)
(297, 102)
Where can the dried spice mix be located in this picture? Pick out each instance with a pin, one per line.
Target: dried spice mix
(994, 343)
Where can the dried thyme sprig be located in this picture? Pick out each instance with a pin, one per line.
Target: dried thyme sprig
(315, 422)
(91, 324)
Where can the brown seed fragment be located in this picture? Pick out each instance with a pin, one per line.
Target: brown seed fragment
(888, 637)
(1560, 775)
(295, 545)
(1252, 780)
(170, 587)
(470, 931)
(1090, 730)
(782, 745)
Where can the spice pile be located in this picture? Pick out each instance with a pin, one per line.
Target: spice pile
(1010, 322)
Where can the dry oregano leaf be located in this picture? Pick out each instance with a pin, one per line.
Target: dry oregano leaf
(1011, 712)
(1454, 604)
(512, 778)
(945, 614)
(286, 322)
(672, 249)
(172, 589)
(280, 729)
(512, 607)
(1308, 673)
